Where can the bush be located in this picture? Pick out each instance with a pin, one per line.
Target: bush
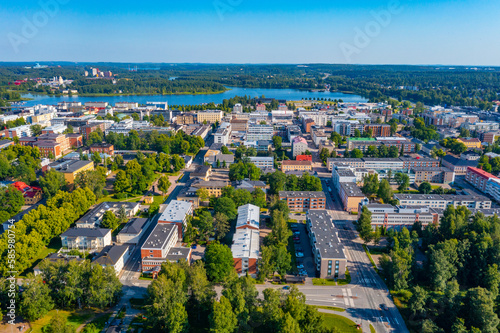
(105, 192)
(120, 195)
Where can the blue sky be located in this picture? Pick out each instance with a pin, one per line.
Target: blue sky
(453, 32)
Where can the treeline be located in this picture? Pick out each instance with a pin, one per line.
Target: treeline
(183, 299)
(180, 143)
(19, 162)
(278, 181)
(456, 287)
(37, 228)
(65, 285)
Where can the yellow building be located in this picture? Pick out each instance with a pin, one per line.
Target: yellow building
(214, 187)
(351, 196)
(210, 117)
(71, 170)
(470, 143)
(296, 166)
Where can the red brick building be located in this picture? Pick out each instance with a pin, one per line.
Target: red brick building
(87, 129)
(379, 130)
(104, 148)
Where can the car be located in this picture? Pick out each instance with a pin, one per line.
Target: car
(296, 233)
(299, 249)
(303, 274)
(299, 254)
(384, 307)
(300, 266)
(286, 287)
(296, 238)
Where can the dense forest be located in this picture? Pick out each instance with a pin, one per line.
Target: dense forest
(429, 85)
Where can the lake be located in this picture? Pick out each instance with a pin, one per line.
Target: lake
(288, 94)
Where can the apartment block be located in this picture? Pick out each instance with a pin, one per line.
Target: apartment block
(245, 247)
(328, 251)
(262, 162)
(478, 178)
(351, 196)
(296, 166)
(300, 201)
(434, 175)
(211, 116)
(400, 217)
(442, 201)
(177, 213)
(299, 146)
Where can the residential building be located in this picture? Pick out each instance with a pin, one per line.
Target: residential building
(202, 172)
(328, 145)
(260, 132)
(114, 256)
(470, 143)
(290, 165)
(490, 137)
(457, 165)
(439, 175)
(245, 247)
(220, 160)
(238, 108)
(493, 189)
(351, 196)
(214, 187)
(299, 146)
(73, 168)
(5, 143)
(352, 162)
(308, 123)
(132, 231)
(264, 145)
(400, 217)
(93, 218)
(31, 194)
(443, 200)
(160, 247)
(328, 251)
(20, 131)
(301, 201)
(55, 129)
(92, 127)
(383, 163)
(251, 185)
(177, 212)
(478, 178)
(410, 162)
(343, 174)
(239, 125)
(318, 136)
(379, 130)
(186, 118)
(103, 148)
(210, 116)
(262, 162)
(87, 239)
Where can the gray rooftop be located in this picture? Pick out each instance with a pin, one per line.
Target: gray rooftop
(134, 226)
(176, 211)
(440, 197)
(352, 189)
(159, 236)
(327, 242)
(86, 232)
(111, 254)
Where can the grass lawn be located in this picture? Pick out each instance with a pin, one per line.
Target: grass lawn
(333, 308)
(54, 246)
(324, 282)
(75, 318)
(110, 198)
(100, 321)
(370, 257)
(341, 324)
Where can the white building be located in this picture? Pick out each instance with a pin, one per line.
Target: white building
(260, 132)
(88, 239)
(238, 108)
(132, 232)
(262, 162)
(115, 256)
(223, 134)
(299, 146)
(20, 131)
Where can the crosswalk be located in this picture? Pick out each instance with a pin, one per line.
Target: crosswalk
(348, 300)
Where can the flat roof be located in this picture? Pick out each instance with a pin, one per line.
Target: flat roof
(352, 190)
(248, 215)
(327, 242)
(440, 197)
(86, 232)
(160, 236)
(246, 243)
(176, 211)
(301, 194)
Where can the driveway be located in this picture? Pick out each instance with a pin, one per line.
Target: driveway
(305, 245)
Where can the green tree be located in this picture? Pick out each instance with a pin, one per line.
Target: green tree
(96, 158)
(36, 301)
(218, 262)
(277, 141)
(370, 184)
(480, 310)
(403, 181)
(122, 182)
(223, 319)
(109, 220)
(203, 194)
(289, 325)
(259, 198)
(425, 188)
(226, 206)
(385, 191)
(164, 184)
(59, 324)
(356, 153)
(95, 180)
(418, 301)
(363, 225)
(282, 259)
(221, 225)
(51, 183)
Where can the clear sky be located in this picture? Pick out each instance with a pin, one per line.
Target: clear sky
(449, 32)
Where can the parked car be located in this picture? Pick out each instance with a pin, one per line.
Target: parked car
(300, 266)
(297, 233)
(299, 249)
(286, 287)
(299, 254)
(384, 307)
(296, 238)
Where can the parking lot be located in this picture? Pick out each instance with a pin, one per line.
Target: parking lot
(302, 242)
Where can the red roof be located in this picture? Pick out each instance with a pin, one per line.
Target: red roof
(481, 173)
